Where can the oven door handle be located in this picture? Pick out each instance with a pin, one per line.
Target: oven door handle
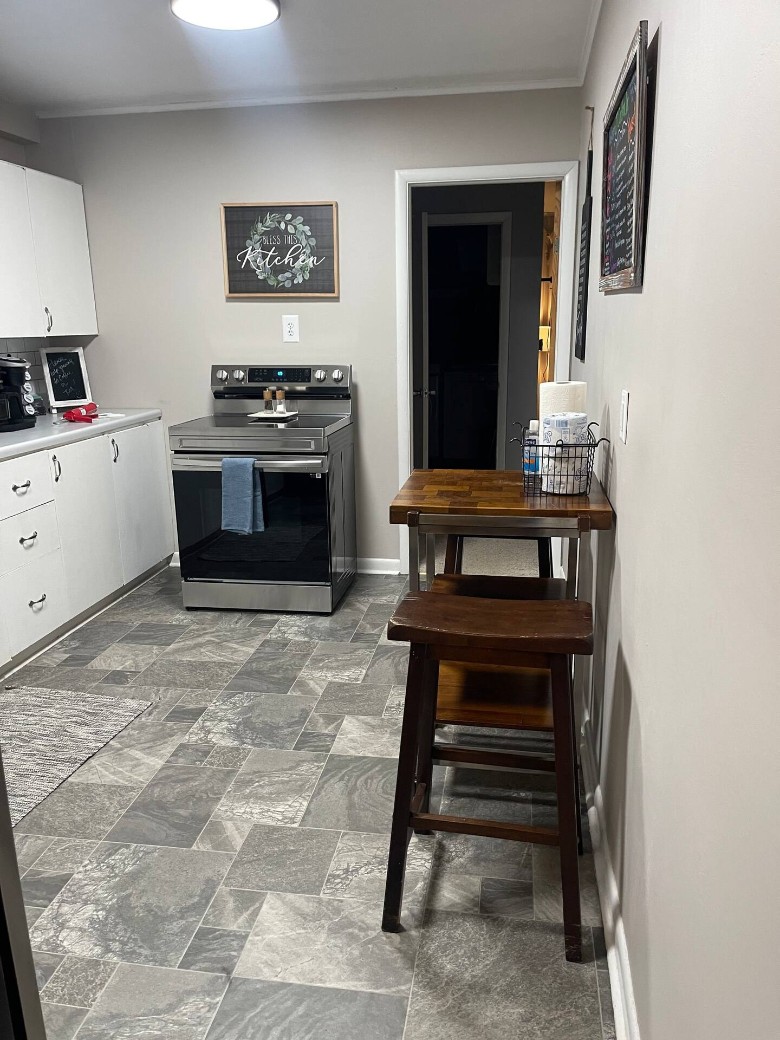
(194, 465)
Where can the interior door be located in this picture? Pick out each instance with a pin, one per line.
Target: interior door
(87, 521)
(460, 375)
(139, 465)
(21, 313)
(62, 255)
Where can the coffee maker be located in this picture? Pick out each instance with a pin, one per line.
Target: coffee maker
(17, 411)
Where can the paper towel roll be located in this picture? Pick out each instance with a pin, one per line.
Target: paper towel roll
(562, 397)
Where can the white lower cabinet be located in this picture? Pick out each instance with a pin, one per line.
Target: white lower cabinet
(35, 601)
(87, 521)
(77, 523)
(139, 466)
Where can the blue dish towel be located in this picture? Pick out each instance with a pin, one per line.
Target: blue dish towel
(242, 497)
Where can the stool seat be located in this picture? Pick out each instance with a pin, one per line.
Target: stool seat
(510, 626)
(496, 586)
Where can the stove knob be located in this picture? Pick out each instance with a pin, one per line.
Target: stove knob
(239, 374)
(338, 375)
(221, 375)
(320, 375)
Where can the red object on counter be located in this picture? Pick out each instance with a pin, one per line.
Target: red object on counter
(84, 413)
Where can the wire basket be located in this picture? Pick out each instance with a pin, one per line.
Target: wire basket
(559, 469)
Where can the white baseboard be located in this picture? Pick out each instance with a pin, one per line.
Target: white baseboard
(376, 565)
(626, 1023)
(366, 565)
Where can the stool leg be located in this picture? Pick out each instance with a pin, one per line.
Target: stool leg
(453, 557)
(544, 556)
(577, 792)
(404, 789)
(567, 809)
(427, 732)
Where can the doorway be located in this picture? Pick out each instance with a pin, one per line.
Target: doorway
(459, 418)
(408, 181)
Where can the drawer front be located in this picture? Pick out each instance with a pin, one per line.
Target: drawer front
(28, 536)
(24, 483)
(35, 601)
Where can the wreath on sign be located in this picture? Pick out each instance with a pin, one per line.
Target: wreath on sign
(258, 259)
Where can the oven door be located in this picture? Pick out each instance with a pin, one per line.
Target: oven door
(294, 548)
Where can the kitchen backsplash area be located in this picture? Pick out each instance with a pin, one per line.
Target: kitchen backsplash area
(30, 350)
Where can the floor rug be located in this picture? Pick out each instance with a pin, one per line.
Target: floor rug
(45, 735)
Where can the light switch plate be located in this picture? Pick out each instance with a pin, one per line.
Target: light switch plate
(623, 431)
(291, 332)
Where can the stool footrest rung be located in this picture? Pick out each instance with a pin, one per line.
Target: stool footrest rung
(464, 755)
(483, 828)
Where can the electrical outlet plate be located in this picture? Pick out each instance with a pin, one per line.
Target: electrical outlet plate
(291, 332)
(623, 432)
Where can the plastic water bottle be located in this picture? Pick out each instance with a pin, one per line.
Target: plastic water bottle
(530, 448)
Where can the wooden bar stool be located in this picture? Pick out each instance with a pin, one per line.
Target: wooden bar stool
(490, 586)
(525, 648)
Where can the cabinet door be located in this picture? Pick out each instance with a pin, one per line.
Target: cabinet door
(5, 649)
(87, 520)
(143, 500)
(59, 229)
(21, 313)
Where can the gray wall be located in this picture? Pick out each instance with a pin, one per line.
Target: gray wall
(153, 184)
(684, 703)
(526, 204)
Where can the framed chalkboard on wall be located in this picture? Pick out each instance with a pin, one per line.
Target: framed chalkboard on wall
(623, 175)
(66, 377)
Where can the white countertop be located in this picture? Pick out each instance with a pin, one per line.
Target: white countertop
(52, 432)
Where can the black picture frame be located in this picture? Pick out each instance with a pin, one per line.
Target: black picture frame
(280, 250)
(623, 173)
(583, 269)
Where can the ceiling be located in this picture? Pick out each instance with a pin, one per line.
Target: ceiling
(66, 57)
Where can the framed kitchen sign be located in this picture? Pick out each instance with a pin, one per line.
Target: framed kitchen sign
(66, 377)
(280, 249)
(623, 176)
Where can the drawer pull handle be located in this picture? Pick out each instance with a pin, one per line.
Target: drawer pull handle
(116, 450)
(49, 319)
(37, 602)
(57, 469)
(21, 487)
(29, 538)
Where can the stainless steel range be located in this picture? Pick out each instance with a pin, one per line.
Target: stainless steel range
(305, 559)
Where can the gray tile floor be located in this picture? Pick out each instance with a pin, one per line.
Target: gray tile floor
(216, 872)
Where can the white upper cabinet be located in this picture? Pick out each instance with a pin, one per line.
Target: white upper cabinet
(21, 311)
(59, 231)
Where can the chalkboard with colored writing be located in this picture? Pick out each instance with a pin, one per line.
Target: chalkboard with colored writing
(66, 377)
(622, 195)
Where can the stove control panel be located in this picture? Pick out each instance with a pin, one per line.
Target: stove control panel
(312, 379)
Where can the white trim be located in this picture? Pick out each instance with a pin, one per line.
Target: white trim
(587, 40)
(565, 171)
(311, 99)
(376, 565)
(626, 1022)
(366, 565)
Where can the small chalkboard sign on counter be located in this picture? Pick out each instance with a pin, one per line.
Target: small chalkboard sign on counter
(622, 190)
(66, 376)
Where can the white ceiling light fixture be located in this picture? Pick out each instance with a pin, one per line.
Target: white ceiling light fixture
(227, 14)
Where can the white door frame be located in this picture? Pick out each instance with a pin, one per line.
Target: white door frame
(565, 171)
(504, 221)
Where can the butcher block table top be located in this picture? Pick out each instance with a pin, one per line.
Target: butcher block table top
(484, 492)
